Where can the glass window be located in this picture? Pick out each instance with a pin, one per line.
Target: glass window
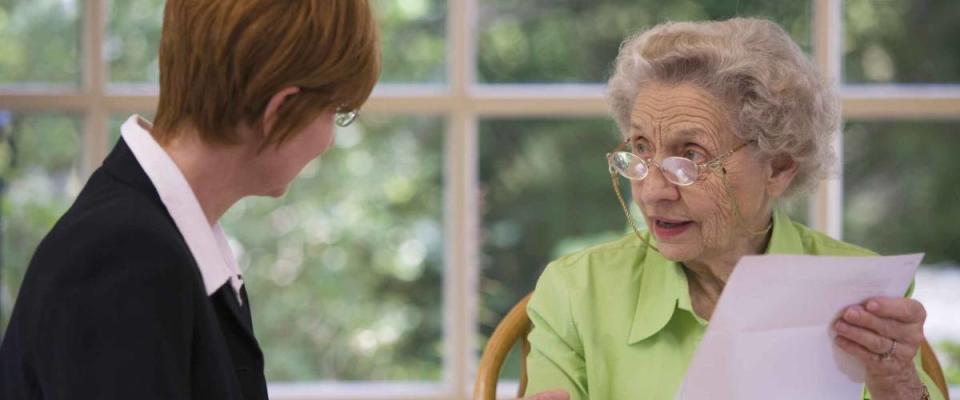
(413, 39)
(133, 39)
(900, 196)
(345, 271)
(40, 175)
(577, 40)
(39, 41)
(546, 192)
(901, 41)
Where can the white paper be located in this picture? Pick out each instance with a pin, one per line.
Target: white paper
(770, 334)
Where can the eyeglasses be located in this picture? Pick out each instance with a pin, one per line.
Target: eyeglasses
(679, 171)
(343, 119)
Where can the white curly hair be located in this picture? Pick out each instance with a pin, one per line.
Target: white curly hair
(773, 92)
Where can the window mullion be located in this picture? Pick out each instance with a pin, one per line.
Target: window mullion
(460, 192)
(826, 207)
(93, 81)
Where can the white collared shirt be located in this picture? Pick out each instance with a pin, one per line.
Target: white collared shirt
(208, 244)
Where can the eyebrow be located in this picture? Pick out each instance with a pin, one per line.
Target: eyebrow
(688, 133)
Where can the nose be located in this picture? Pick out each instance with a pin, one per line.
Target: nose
(654, 188)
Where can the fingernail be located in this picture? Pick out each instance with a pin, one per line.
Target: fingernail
(852, 313)
(873, 306)
(840, 326)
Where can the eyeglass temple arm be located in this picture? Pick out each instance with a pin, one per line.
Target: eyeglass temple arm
(716, 163)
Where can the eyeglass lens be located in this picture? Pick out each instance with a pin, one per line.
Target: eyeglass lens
(343, 119)
(676, 170)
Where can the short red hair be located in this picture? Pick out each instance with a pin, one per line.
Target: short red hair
(222, 60)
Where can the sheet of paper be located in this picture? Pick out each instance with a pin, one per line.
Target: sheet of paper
(770, 337)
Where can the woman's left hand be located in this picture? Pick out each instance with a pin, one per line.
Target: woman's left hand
(885, 335)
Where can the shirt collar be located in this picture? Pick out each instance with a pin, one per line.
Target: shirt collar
(663, 284)
(208, 244)
(786, 237)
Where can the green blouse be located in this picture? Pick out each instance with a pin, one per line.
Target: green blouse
(615, 321)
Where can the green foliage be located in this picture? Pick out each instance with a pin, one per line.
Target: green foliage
(544, 184)
(898, 193)
(133, 37)
(910, 41)
(39, 178)
(576, 40)
(345, 271)
(39, 41)
(413, 39)
(949, 355)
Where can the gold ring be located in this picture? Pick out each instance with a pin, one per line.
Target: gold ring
(889, 353)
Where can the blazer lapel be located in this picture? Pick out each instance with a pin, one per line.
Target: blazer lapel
(239, 314)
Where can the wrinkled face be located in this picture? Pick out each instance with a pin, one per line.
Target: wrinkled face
(276, 167)
(696, 222)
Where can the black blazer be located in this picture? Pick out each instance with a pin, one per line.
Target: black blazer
(113, 306)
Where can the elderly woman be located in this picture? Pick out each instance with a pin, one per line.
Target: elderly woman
(720, 120)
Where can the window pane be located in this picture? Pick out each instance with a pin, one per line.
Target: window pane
(39, 178)
(577, 40)
(345, 271)
(546, 192)
(412, 37)
(908, 41)
(900, 189)
(39, 41)
(900, 196)
(133, 37)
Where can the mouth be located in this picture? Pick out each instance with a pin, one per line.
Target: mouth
(666, 228)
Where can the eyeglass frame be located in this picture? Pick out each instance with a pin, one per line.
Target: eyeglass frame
(715, 165)
(343, 119)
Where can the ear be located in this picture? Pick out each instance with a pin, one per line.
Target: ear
(782, 169)
(270, 113)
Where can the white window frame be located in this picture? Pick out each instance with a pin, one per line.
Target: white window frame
(463, 103)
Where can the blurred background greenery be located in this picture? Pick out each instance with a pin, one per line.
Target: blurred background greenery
(346, 271)
(553, 41)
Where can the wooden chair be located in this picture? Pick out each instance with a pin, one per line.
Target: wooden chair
(932, 367)
(512, 329)
(516, 326)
